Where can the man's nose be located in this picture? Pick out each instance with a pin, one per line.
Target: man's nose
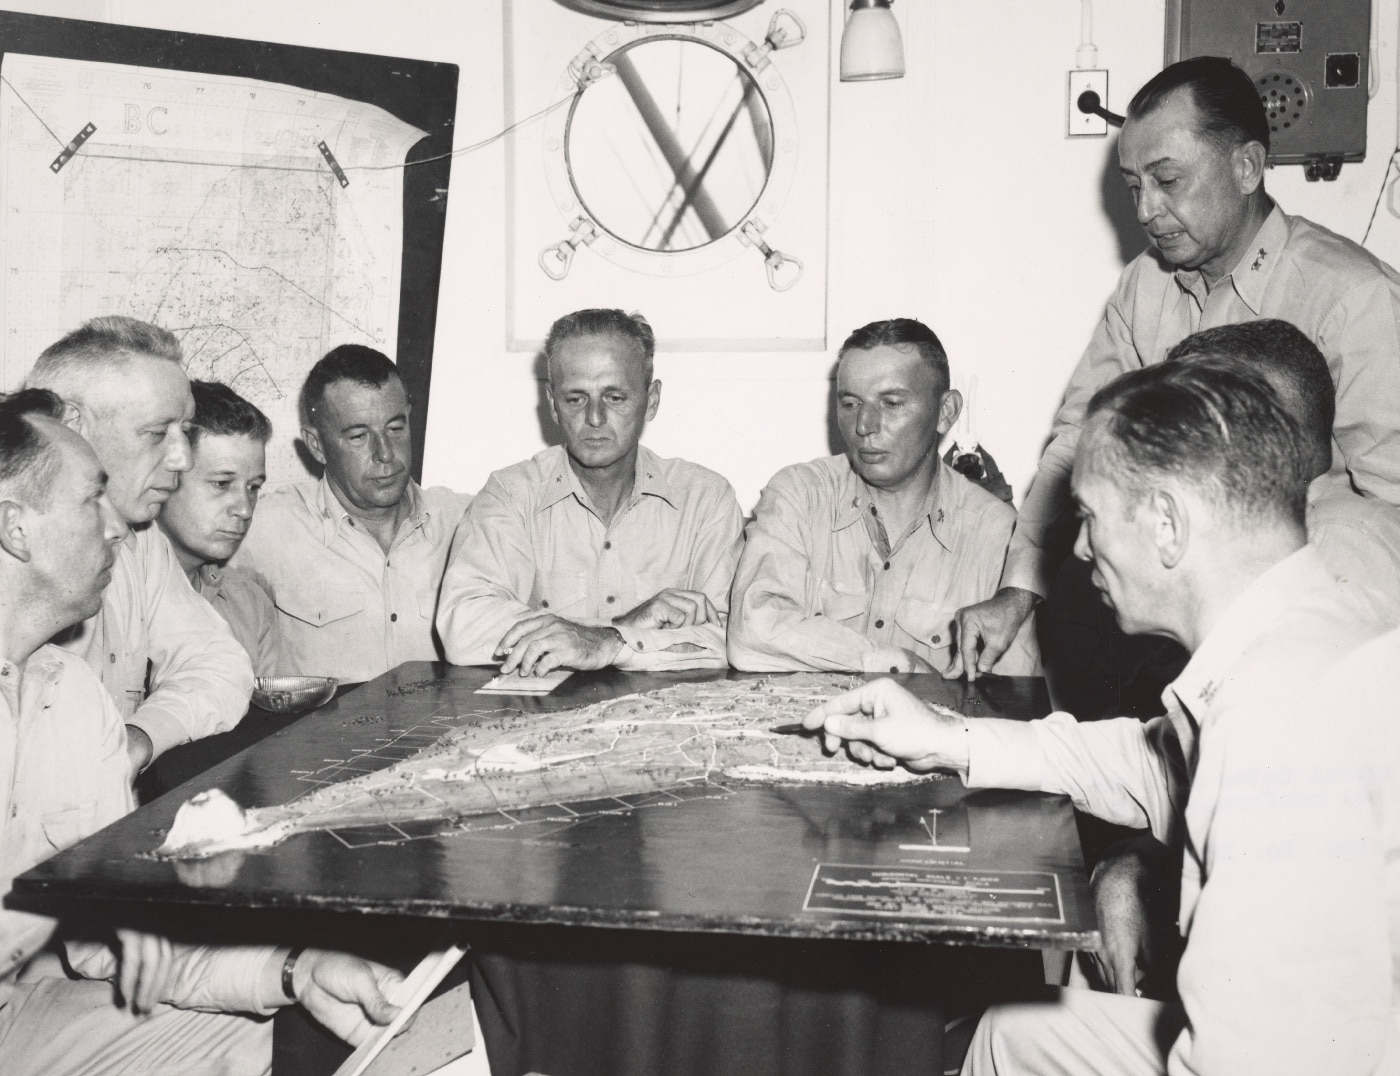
(1081, 543)
(867, 421)
(381, 451)
(594, 414)
(114, 528)
(242, 507)
(178, 457)
(1148, 205)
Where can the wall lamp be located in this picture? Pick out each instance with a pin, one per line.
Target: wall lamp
(871, 47)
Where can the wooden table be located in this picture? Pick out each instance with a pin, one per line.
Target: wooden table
(762, 862)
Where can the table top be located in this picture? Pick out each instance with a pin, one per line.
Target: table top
(1002, 868)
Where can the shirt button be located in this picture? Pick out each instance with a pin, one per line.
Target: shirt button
(112, 658)
(894, 668)
(887, 565)
(393, 616)
(611, 599)
(879, 623)
(607, 545)
(938, 638)
(544, 605)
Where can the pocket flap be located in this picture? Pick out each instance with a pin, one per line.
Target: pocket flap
(842, 604)
(930, 624)
(319, 606)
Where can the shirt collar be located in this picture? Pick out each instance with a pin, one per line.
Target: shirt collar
(1251, 274)
(560, 481)
(333, 513)
(1256, 610)
(854, 501)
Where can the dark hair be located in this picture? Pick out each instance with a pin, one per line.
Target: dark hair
(1223, 432)
(348, 362)
(1294, 366)
(902, 333)
(219, 410)
(28, 459)
(104, 341)
(603, 322)
(1226, 99)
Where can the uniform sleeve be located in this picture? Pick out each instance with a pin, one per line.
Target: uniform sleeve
(1110, 353)
(492, 565)
(210, 978)
(1125, 771)
(1288, 966)
(201, 677)
(711, 571)
(1361, 339)
(770, 628)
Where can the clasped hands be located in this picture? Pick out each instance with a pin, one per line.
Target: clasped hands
(543, 642)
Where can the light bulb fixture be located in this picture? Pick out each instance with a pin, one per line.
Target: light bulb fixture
(871, 47)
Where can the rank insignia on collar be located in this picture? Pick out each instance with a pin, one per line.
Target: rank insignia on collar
(1259, 260)
(940, 515)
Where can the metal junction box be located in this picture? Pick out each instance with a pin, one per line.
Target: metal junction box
(1309, 60)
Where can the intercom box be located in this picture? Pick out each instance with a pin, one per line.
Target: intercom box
(1309, 60)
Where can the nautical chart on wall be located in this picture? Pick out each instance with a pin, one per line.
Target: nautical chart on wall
(659, 747)
(261, 223)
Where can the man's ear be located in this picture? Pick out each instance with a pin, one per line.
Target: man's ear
(74, 418)
(312, 438)
(1171, 526)
(948, 410)
(553, 407)
(14, 534)
(653, 398)
(1248, 161)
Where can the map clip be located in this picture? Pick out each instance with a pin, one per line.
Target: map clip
(335, 165)
(71, 149)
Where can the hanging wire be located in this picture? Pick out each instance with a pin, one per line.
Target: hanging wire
(459, 152)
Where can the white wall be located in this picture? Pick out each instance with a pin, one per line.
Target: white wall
(955, 197)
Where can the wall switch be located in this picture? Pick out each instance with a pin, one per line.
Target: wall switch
(1086, 124)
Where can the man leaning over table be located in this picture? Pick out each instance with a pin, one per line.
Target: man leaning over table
(1191, 486)
(73, 1003)
(126, 392)
(597, 552)
(353, 562)
(207, 518)
(1192, 153)
(858, 562)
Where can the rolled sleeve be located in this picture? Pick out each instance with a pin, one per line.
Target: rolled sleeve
(201, 677)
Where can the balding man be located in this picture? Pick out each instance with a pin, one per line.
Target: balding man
(598, 552)
(127, 394)
(1191, 486)
(858, 562)
(64, 775)
(1193, 152)
(353, 562)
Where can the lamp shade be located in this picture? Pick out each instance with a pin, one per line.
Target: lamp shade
(871, 47)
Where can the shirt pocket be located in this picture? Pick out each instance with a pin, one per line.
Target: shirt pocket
(68, 825)
(929, 628)
(320, 604)
(563, 594)
(428, 602)
(839, 604)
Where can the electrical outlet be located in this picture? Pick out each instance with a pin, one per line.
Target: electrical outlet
(1086, 124)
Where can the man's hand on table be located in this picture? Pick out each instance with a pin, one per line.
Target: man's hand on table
(671, 608)
(985, 631)
(541, 643)
(882, 724)
(344, 993)
(139, 750)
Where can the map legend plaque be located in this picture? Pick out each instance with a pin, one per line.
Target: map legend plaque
(914, 892)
